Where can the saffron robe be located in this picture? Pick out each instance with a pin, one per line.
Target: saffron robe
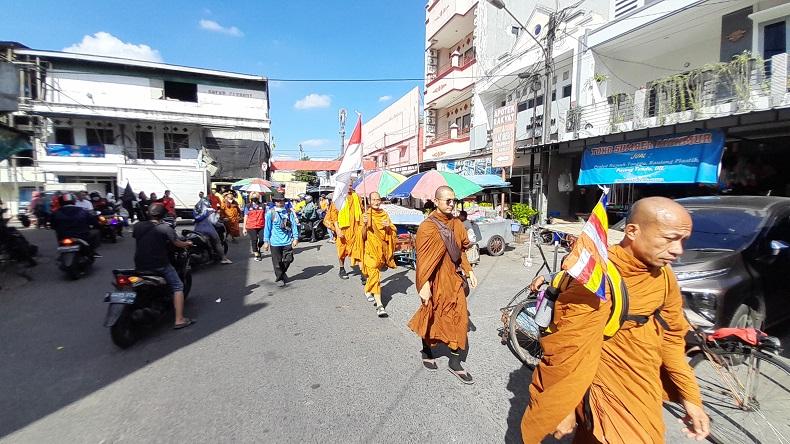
(349, 219)
(379, 248)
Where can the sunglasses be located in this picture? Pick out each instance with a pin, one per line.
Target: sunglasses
(449, 202)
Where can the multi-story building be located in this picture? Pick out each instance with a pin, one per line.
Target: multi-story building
(92, 115)
(392, 138)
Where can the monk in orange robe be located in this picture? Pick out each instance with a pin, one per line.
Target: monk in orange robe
(443, 316)
(380, 238)
(614, 388)
(330, 218)
(348, 227)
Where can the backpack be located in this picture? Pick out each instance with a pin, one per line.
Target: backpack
(618, 314)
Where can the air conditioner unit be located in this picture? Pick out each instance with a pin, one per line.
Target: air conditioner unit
(212, 169)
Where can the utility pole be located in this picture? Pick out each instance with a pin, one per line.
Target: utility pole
(301, 152)
(547, 95)
(342, 118)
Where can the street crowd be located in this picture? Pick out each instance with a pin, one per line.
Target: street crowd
(604, 391)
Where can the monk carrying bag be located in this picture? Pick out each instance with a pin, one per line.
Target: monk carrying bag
(453, 250)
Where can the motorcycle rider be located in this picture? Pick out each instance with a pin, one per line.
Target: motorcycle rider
(73, 221)
(204, 224)
(83, 201)
(152, 253)
(310, 216)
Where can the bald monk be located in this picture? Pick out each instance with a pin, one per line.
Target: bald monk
(348, 227)
(620, 383)
(443, 316)
(380, 238)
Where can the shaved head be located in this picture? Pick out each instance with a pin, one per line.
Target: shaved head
(655, 231)
(375, 200)
(443, 191)
(374, 195)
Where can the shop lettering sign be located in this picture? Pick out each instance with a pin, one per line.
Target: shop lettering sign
(504, 136)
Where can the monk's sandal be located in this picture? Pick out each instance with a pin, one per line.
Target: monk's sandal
(381, 312)
(465, 377)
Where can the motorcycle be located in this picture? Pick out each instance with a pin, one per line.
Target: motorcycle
(110, 226)
(23, 218)
(14, 246)
(201, 252)
(75, 257)
(307, 228)
(142, 299)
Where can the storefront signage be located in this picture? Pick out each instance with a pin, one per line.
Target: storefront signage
(59, 150)
(469, 167)
(680, 158)
(504, 136)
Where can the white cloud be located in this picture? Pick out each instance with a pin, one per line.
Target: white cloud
(211, 25)
(283, 157)
(385, 98)
(314, 143)
(106, 44)
(313, 101)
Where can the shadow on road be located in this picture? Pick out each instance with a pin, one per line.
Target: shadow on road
(518, 385)
(398, 283)
(55, 350)
(309, 272)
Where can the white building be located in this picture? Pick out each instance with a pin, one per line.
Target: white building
(392, 137)
(91, 115)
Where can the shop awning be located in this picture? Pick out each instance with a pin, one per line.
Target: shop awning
(489, 181)
(678, 158)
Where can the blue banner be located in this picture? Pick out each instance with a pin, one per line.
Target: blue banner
(680, 158)
(58, 150)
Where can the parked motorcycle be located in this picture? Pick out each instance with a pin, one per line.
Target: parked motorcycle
(75, 257)
(142, 299)
(201, 252)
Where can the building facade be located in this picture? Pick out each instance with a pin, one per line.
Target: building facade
(392, 137)
(89, 116)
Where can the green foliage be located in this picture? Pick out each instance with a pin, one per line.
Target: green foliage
(600, 78)
(311, 177)
(485, 205)
(523, 213)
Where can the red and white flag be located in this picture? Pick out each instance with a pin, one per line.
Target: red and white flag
(349, 167)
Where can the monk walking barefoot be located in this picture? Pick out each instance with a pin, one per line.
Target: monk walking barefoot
(442, 272)
(613, 389)
(380, 237)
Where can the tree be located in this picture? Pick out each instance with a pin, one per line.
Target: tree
(311, 177)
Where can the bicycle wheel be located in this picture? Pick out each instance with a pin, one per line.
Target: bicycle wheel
(759, 417)
(524, 337)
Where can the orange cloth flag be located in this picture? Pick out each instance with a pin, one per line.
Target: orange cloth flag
(445, 319)
(350, 221)
(623, 375)
(379, 248)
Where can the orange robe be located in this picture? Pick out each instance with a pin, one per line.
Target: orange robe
(379, 248)
(624, 373)
(330, 218)
(231, 212)
(445, 319)
(349, 220)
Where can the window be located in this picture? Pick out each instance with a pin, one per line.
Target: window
(565, 75)
(174, 143)
(99, 136)
(464, 122)
(530, 103)
(145, 145)
(566, 91)
(64, 136)
(185, 92)
(774, 42)
(554, 96)
(522, 107)
(539, 101)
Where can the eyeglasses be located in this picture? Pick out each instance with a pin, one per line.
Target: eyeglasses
(449, 202)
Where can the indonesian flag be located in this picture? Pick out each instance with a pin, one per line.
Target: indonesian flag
(351, 165)
(587, 261)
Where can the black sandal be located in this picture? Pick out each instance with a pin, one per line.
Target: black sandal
(187, 322)
(466, 378)
(430, 364)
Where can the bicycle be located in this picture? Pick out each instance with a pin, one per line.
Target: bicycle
(739, 373)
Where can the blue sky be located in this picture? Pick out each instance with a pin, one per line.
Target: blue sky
(277, 39)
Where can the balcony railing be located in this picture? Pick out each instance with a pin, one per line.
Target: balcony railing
(464, 62)
(740, 86)
(449, 136)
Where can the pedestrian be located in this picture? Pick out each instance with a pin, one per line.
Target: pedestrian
(348, 227)
(281, 235)
(309, 216)
(473, 253)
(443, 278)
(38, 208)
(231, 216)
(142, 206)
(330, 217)
(169, 203)
(128, 200)
(380, 237)
(614, 388)
(215, 199)
(205, 218)
(254, 217)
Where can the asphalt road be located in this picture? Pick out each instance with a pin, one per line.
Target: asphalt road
(308, 363)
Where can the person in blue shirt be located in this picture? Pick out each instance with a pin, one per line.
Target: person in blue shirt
(281, 234)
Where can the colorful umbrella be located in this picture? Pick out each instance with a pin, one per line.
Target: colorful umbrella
(255, 187)
(251, 180)
(424, 185)
(382, 182)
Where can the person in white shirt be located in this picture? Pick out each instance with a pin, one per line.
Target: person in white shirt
(83, 201)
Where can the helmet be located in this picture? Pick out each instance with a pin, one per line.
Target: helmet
(308, 198)
(157, 211)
